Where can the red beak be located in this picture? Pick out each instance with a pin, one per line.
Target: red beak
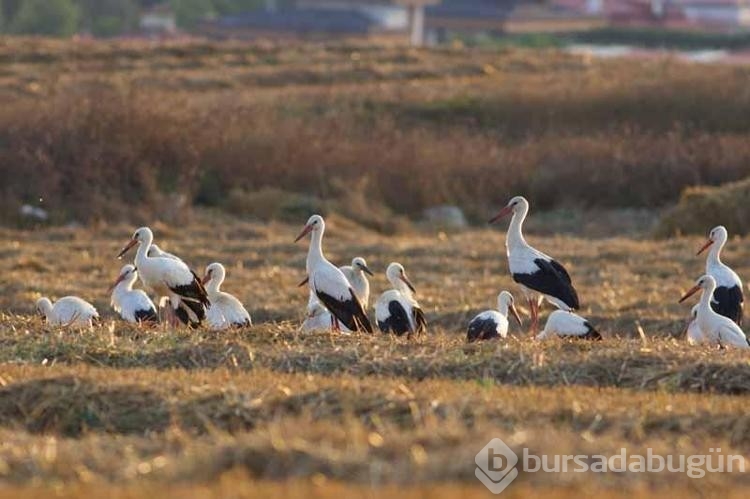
(515, 314)
(304, 281)
(206, 278)
(408, 283)
(132, 243)
(120, 278)
(304, 232)
(705, 247)
(690, 293)
(505, 211)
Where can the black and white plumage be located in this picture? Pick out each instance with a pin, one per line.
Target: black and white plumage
(493, 324)
(397, 311)
(329, 284)
(133, 305)
(68, 311)
(169, 277)
(728, 299)
(225, 310)
(539, 275)
(717, 329)
(318, 318)
(568, 325)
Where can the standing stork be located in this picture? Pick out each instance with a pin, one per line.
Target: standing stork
(397, 311)
(568, 325)
(728, 298)
(169, 277)
(717, 329)
(225, 310)
(539, 276)
(318, 318)
(330, 284)
(69, 311)
(493, 323)
(133, 305)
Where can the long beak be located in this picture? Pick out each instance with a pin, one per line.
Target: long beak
(367, 271)
(705, 247)
(132, 243)
(304, 281)
(120, 278)
(505, 211)
(304, 232)
(515, 314)
(206, 278)
(690, 293)
(408, 283)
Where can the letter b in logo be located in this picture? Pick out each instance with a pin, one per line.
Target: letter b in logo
(496, 466)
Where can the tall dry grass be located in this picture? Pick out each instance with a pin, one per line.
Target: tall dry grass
(95, 128)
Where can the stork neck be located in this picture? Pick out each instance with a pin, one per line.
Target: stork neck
(143, 248)
(705, 304)
(714, 253)
(212, 287)
(502, 307)
(124, 286)
(315, 253)
(515, 230)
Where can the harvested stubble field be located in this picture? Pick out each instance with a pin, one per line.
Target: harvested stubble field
(122, 412)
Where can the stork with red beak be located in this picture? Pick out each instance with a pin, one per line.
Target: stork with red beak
(717, 329)
(493, 324)
(329, 284)
(539, 276)
(169, 277)
(225, 310)
(133, 305)
(728, 299)
(397, 311)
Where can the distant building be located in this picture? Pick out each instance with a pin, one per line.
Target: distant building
(510, 16)
(702, 14)
(325, 18)
(158, 20)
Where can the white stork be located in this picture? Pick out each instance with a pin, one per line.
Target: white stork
(694, 334)
(225, 310)
(169, 277)
(716, 328)
(493, 323)
(728, 298)
(330, 284)
(318, 318)
(568, 325)
(133, 305)
(68, 311)
(155, 251)
(539, 276)
(397, 311)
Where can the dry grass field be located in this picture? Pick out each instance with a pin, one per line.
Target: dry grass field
(124, 412)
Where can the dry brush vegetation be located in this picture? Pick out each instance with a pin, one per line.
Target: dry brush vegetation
(270, 410)
(272, 131)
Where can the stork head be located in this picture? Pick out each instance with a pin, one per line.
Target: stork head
(127, 272)
(505, 302)
(314, 224)
(397, 275)
(718, 236)
(359, 264)
(518, 204)
(214, 271)
(140, 236)
(704, 282)
(43, 306)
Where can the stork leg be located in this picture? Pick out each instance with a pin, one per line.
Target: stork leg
(335, 321)
(534, 309)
